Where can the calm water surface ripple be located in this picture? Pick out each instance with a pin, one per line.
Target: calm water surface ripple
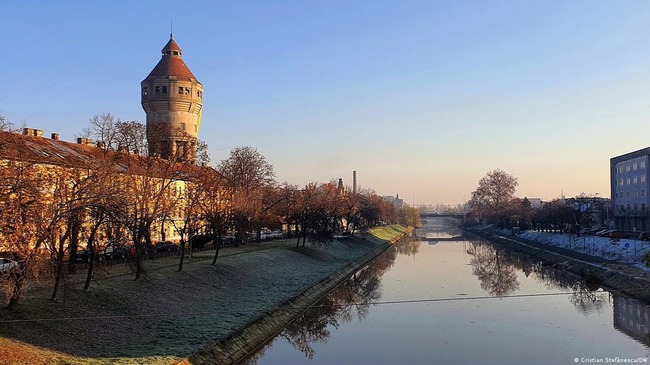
(444, 298)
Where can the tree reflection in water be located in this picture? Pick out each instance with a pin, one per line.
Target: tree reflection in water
(496, 267)
(498, 276)
(350, 300)
(408, 246)
(585, 298)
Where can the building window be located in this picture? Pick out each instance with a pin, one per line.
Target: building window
(642, 178)
(188, 91)
(621, 182)
(180, 90)
(627, 181)
(164, 89)
(627, 194)
(635, 166)
(643, 164)
(635, 179)
(635, 194)
(642, 192)
(175, 53)
(199, 93)
(643, 206)
(145, 91)
(157, 89)
(627, 168)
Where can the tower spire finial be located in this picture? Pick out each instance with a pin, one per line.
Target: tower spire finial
(171, 29)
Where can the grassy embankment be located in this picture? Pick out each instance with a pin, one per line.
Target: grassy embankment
(169, 315)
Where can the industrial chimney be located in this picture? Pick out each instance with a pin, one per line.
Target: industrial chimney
(354, 181)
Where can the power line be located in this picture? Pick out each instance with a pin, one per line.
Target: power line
(251, 310)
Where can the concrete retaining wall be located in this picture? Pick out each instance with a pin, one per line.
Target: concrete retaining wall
(238, 346)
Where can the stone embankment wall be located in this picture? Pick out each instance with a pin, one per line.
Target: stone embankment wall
(614, 276)
(238, 346)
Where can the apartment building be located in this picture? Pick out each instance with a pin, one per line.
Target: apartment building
(629, 190)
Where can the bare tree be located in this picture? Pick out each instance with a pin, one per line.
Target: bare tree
(409, 216)
(187, 219)
(5, 125)
(495, 191)
(28, 219)
(114, 135)
(202, 155)
(246, 174)
(316, 213)
(147, 200)
(214, 206)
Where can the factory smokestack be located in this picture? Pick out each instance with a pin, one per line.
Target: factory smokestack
(354, 181)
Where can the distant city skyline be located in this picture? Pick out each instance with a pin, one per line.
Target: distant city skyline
(421, 98)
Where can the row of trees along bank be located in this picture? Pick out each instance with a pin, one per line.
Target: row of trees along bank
(50, 210)
(494, 202)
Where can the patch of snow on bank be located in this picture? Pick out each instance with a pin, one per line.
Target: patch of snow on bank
(595, 246)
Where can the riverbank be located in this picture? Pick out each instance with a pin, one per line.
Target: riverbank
(615, 275)
(170, 315)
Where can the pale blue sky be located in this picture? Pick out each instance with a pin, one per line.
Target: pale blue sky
(422, 98)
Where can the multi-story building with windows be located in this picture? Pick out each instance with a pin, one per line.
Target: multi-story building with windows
(172, 97)
(629, 190)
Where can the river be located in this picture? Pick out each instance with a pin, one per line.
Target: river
(449, 299)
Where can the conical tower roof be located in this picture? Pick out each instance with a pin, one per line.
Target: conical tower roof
(172, 63)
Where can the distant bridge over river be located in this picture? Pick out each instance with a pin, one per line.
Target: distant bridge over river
(441, 239)
(436, 215)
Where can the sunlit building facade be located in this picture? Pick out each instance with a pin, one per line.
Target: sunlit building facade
(172, 97)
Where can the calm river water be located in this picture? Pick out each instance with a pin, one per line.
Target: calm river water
(449, 299)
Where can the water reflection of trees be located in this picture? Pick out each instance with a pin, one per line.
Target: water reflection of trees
(496, 266)
(408, 246)
(498, 276)
(585, 296)
(351, 300)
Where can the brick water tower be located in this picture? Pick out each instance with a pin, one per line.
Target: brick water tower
(172, 98)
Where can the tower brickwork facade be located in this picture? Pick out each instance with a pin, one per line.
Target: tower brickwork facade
(172, 98)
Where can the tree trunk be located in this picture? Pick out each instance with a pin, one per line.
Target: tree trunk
(75, 227)
(59, 264)
(91, 256)
(151, 253)
(140, 252)
(180, 262)
(217, 244)
(17, 288)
